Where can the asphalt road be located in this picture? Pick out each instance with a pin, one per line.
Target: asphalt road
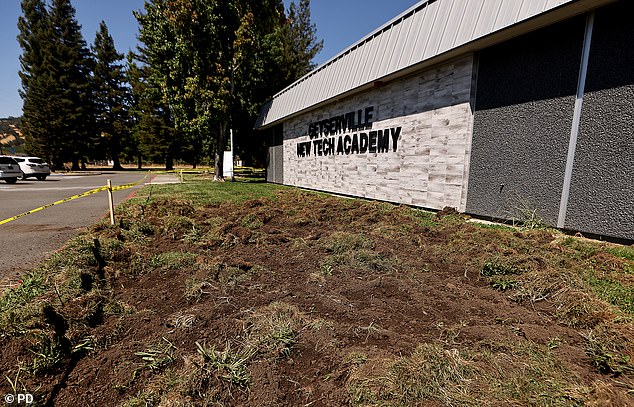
(27, 241)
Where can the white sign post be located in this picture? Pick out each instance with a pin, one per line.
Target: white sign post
(227, 166)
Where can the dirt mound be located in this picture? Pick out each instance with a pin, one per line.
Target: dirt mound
(314, 300)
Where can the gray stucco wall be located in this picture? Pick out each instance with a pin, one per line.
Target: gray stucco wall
(524, 108)
(602, 189)
(430, 165)
(275, 155)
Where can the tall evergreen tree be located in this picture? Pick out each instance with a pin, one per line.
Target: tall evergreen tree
(300, 44)
(70, 63)
(34, 39)
(151, 119)
(110, 95)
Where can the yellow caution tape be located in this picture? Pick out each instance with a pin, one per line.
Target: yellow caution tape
(83, 194)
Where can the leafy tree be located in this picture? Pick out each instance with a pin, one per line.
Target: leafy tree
(215, 63)
(284, 54)
(110, 95)
(202, 54)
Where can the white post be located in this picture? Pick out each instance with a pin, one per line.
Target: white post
(233, 178)
(110, 202)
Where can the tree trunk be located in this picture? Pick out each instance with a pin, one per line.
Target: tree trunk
(116, 163)
(139, 162)
(169, 163)
(114, 152)
(221, 141)
(75, 165)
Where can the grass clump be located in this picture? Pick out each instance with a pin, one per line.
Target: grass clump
(607, 351)
(354, 250)
(195, 288)
(614, 293)
(227, 365)
(172, 261)
(158, 356)
(274, 329)
(344, 242)
(485, 374)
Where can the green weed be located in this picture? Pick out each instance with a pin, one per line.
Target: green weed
(607, 352)
(159, 356)
(228, 365)
(31, 285)
(496, 268)
(504, 284)
(47, 354)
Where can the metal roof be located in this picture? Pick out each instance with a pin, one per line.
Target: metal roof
(423, 33)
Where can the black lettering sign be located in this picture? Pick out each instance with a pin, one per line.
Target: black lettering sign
(372, 141)
(354, 149)
(383, 141)
(395, 135)
(363, 145)
(340, 145)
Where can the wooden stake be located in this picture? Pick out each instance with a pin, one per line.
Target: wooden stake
(110, 202)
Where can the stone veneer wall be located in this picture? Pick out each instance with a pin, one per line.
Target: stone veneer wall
(431, 165)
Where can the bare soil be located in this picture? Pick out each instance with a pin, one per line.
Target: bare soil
(320, 295)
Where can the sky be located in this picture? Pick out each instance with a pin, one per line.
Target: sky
(340, 23)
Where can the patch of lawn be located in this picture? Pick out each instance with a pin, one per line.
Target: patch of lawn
(204, 191)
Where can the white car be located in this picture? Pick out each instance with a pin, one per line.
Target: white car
(9, 169)
(33, 167)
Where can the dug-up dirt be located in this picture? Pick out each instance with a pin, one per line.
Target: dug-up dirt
(313, 300)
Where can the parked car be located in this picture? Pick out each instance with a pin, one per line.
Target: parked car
(33, 167)
(9, 169)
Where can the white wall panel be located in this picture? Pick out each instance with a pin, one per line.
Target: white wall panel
(440, 22)
(419, 34)
(452, 27)
(531, 8)
(509, 11)
(379, 57)
(469, 21)
(410, 39)
(487, 18)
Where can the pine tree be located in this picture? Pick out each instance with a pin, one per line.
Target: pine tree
(110, 95)
(151, 120)
(70, 64)
(35, 33)
(300, 45)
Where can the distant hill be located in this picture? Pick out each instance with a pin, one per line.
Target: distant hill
(11, 135)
